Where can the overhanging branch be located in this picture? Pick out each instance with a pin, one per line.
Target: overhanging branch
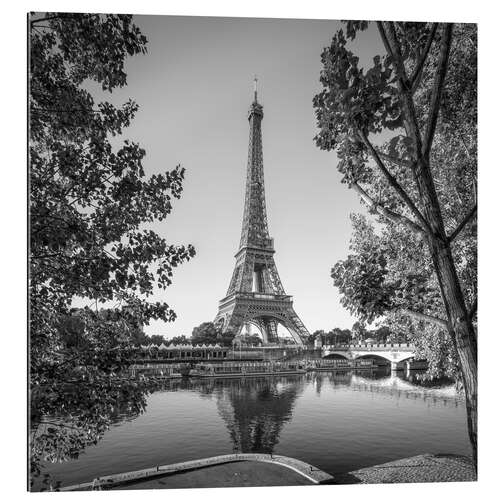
(437, 88)
(392, 40)
(426, 317)
(417, 72)
(46, 18)
(394, 183)
(464, 222)
(385, 212)
(381, 29)
(473, 309)
(397, 161)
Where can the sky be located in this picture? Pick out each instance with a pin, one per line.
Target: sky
(194, 88)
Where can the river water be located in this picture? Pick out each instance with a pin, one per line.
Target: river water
(336, 421)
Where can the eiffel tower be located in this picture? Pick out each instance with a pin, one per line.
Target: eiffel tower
(255, 294)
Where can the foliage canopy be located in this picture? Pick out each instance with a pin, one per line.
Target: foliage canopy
(89, 203)
(405, 132)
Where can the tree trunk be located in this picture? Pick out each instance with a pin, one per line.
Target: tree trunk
(461, 332)
(460, 326)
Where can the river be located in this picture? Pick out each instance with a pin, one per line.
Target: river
(337, 421)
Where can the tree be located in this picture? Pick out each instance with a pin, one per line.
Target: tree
(206, 333)
(226, 338)
(156, 340)
(382, 334)
(316, 333)
(311, 338)
(358, 331)
(343, 336)
(252, 340)
(89, 202)
(180, 339)
(334, 336)
(420, 183)
(255, 340)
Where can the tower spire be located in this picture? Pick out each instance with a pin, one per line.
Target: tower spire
(255, 89)
(254, 231)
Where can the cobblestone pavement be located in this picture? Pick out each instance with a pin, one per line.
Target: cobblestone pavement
(419, 469)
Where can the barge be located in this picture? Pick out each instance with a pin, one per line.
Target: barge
(247, 369)
(232, 368)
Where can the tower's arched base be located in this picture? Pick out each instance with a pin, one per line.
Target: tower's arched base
(265, 311)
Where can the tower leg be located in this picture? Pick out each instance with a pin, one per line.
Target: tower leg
(268, 328)
(296, 327)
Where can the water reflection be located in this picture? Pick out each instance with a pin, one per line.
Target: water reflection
(395, 384)
(407, 385)
(255, 410)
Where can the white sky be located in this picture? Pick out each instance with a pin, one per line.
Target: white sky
(194, 87)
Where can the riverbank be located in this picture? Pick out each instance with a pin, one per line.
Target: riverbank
(240, 470)
(237, 469)
(419, 469)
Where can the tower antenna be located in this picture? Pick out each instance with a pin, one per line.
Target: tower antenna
(255, 88)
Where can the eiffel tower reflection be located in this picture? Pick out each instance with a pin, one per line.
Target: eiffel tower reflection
(255, 411)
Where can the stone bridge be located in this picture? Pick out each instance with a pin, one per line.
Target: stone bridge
(394, 353)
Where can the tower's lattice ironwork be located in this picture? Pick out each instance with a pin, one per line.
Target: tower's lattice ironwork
(255, 294)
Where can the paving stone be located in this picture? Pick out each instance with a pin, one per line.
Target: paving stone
(419, 469)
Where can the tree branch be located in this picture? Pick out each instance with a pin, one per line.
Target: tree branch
(394, 183)
(425, 317)
(464, 222)
(392, 41)
(389, 214)
(437, 88)
(396, 161)
(35, 109)
(46, 255)
(381, 29)
(84, 194)
(58, 424)
(42, 26)
(473, 309)
(46, 18)
(415, 76)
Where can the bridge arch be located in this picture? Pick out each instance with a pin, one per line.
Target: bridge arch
(386, 359)
(406, 358)
(337, 355)
(391, 358)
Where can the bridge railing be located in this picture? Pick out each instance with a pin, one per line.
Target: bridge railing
(368, 347)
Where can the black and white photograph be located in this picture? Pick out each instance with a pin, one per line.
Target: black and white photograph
(252, 251)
